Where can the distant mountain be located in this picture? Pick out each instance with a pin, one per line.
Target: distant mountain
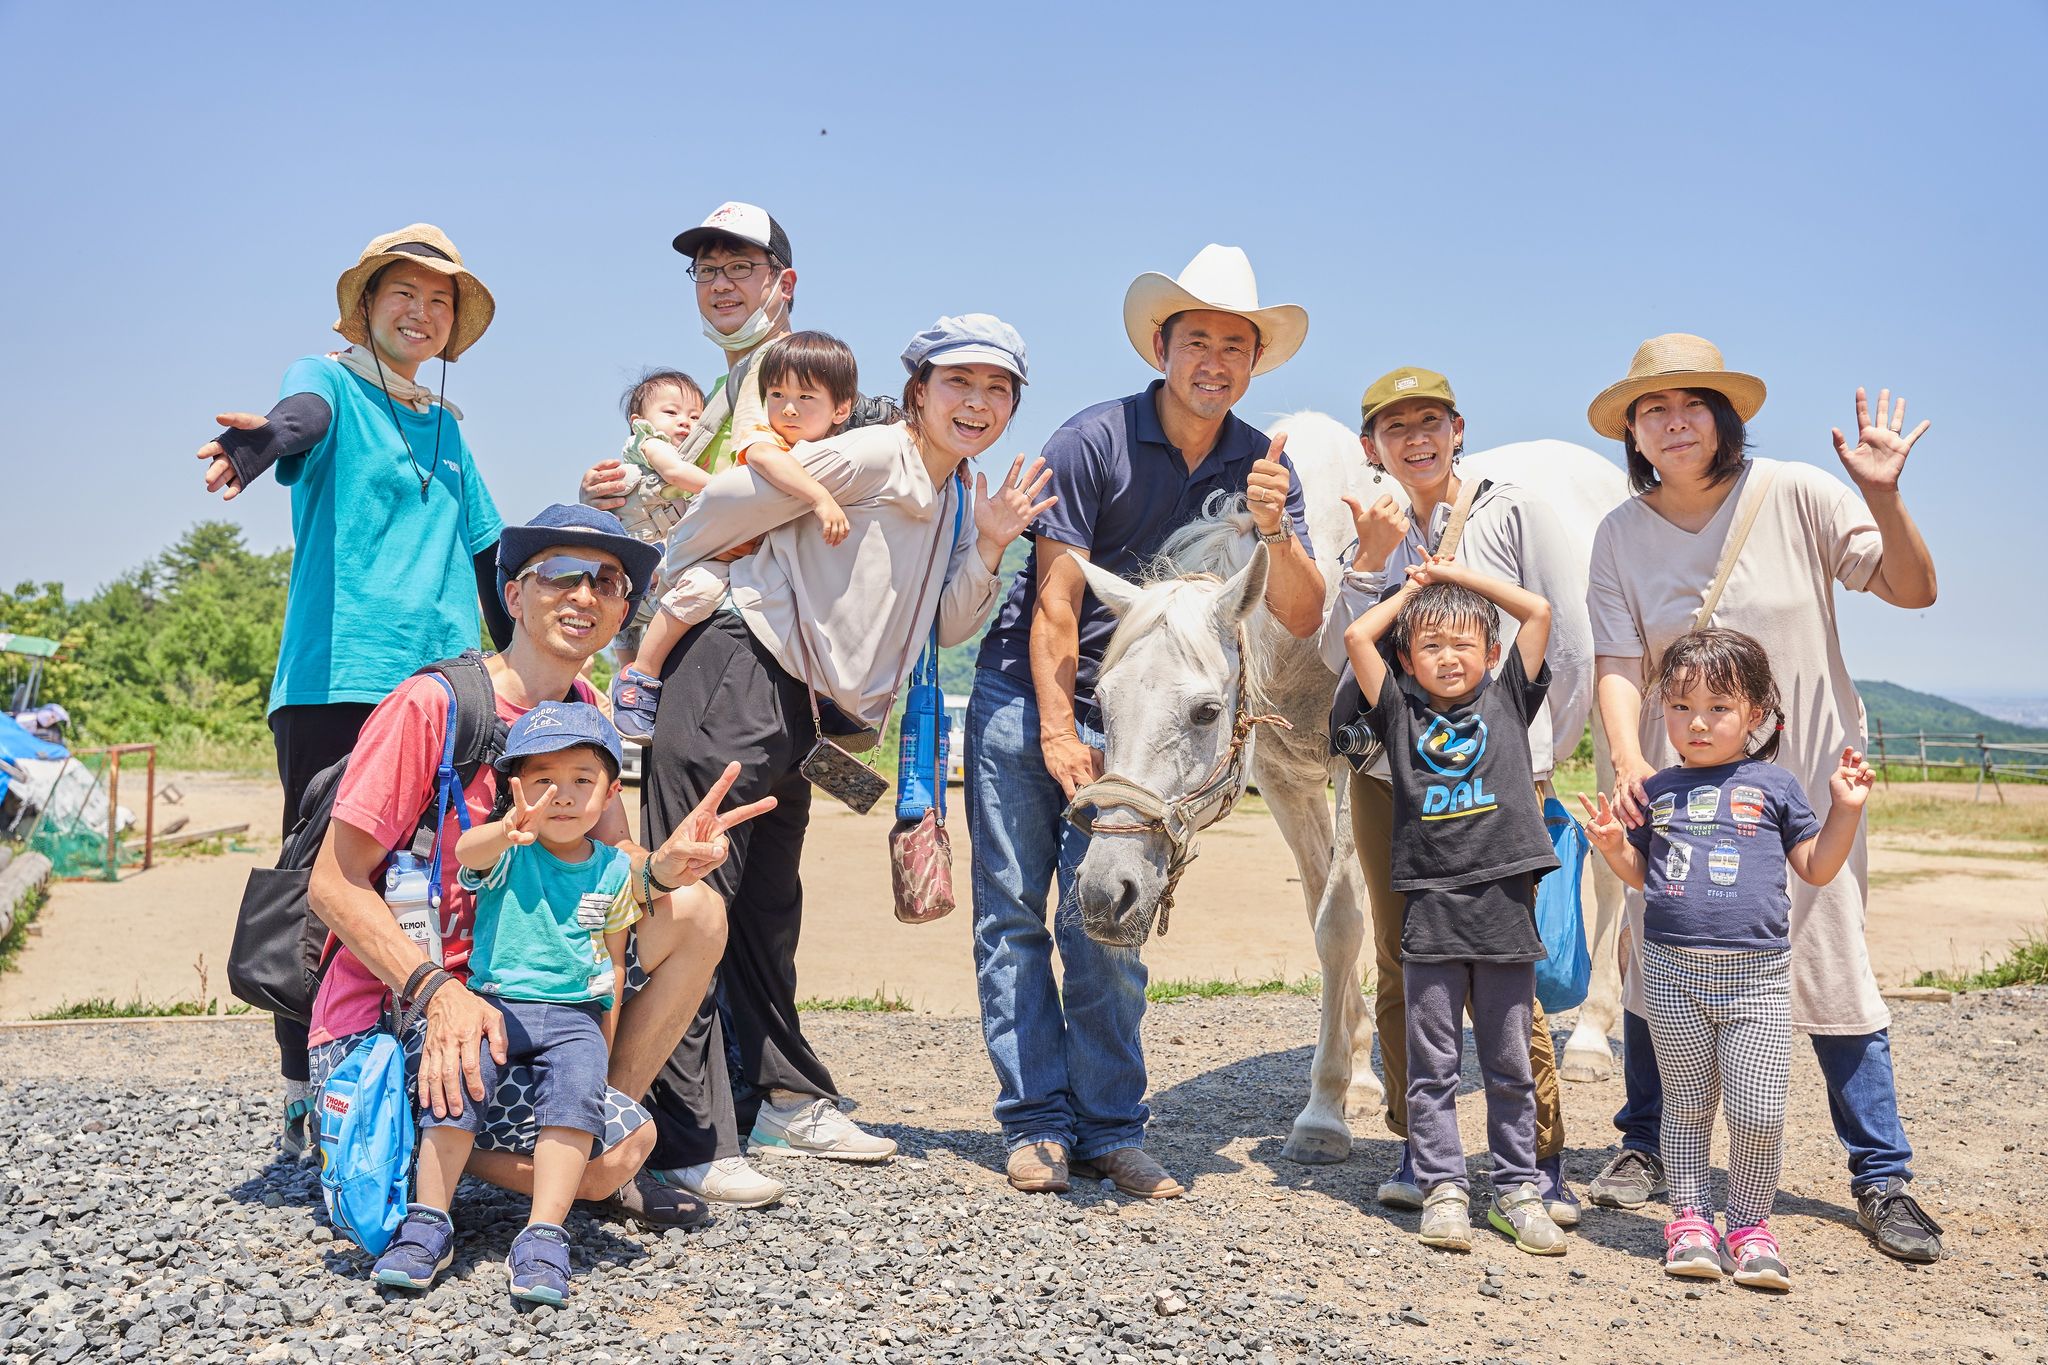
(1901, 711)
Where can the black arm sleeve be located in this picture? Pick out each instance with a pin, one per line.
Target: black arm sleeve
(497, 621)
(293, 427)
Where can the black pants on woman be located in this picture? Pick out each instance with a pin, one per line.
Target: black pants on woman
(724, 699)
(309, 740)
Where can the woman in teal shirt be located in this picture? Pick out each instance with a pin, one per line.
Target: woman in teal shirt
(394, 533)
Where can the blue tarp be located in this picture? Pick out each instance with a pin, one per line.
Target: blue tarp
(16, 742)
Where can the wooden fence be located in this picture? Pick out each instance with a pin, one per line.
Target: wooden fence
(1958, 755)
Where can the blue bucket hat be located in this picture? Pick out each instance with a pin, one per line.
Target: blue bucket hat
(556, 725)
(970, 339)
(574, 524)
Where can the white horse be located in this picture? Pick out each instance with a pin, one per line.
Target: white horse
(1196, 658)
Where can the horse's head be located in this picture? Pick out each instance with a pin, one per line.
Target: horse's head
(1171, 691)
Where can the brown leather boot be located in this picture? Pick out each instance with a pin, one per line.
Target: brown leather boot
(1039, 1168)
(1135, 1173)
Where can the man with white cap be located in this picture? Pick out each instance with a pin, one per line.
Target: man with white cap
(1068, 1062)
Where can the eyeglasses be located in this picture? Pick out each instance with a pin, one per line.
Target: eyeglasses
(732, 270)
(565, 573)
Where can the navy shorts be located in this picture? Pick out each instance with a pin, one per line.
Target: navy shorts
(563, 1045)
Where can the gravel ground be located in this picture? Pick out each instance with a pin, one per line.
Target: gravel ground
(142, 1218)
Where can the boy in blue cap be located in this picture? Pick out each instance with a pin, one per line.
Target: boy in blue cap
(552, 909)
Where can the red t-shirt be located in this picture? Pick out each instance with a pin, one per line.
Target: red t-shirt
(389, 781)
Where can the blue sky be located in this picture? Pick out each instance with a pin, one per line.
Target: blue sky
(1513, 194)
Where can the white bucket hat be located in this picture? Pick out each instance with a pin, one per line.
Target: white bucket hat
(1219, 278)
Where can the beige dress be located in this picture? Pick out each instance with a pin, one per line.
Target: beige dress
(1649, 577)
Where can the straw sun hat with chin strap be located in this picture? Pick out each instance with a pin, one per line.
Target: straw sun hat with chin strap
(424, 245)
(1676, 360)
(1218, 279)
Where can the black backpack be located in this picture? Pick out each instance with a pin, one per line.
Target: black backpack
(281, 948)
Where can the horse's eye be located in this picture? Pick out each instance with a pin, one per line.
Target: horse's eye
(1206, 713)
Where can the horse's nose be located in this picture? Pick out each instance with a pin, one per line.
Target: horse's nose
(1106, 905)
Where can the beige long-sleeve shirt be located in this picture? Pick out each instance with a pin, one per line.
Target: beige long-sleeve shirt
(848, 619)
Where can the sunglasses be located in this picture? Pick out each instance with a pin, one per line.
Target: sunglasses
(565, 573)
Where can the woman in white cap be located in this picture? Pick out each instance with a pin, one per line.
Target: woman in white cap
(1715, 537)
(1413, 434)
(394, 533)
(816, 630)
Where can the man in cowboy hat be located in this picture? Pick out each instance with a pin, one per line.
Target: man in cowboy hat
(1127, 473)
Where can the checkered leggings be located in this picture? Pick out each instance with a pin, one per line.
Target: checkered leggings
(1722, 1026)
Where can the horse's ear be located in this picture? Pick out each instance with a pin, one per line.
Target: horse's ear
(1243, 590)
(1113, 592)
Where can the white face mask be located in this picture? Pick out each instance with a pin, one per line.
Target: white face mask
(754, 330)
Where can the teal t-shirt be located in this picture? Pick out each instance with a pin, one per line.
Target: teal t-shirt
(383, 577)
(540, 924)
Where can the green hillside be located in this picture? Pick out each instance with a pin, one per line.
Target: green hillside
(1900, 710)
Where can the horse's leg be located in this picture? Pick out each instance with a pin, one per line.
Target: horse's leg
(1587, 1056)
(1322, 1132)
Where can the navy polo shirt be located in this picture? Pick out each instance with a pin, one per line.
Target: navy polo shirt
(1122, 490)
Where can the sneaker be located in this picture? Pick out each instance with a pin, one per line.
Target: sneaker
(1132, 1170)
(539, 1264)
(1558, 1200)
(1629, 1181)
(813, 1126)
(1897, 1223)
(651, 1204)
(422, 1248)
(1446, 1219)
(728, 1180)
(1399, 1190)
(300, 1135)
(1754, 1253)
(635, 697)
(1690, 1249)
(1519, 1214)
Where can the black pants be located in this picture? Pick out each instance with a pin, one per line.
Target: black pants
(725, 700)
(309, 739)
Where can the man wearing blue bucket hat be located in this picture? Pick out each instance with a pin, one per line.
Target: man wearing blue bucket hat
(568, 579)
(1127, 473)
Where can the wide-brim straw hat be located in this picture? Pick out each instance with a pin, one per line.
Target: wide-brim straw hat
(1676, 360)
(422, 244)
(1219, 279)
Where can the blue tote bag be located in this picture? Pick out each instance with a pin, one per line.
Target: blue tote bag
(1563, 976)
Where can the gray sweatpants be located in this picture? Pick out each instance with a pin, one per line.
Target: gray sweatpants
(1500, 996)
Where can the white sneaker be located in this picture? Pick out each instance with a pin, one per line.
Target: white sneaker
(815, 1127)
(728, 1180)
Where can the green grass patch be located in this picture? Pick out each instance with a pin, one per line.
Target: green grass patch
(2025, 965)
(881, 1002)
(1212, 990)
(1896, 812)
(137, 1008)
(17, 936)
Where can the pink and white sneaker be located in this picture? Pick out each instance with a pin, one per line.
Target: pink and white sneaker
(1691, 1250)
(1757, 1260)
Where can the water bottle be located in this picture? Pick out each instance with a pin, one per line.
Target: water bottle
(410, 892)
(924, 739)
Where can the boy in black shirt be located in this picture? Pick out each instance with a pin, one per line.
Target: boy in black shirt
(1469, 844)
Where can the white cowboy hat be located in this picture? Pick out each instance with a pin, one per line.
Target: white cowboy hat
(1219, 278)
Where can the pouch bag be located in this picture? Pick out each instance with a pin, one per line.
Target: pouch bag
(921, 868)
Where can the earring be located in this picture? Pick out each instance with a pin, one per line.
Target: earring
(1376, 474)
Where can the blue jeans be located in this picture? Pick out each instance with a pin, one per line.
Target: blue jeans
(1863, 1099)
(1069, 1066)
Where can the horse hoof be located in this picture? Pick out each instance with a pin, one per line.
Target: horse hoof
(1364, 1101)
(1586, 1064)
(1312, 1144)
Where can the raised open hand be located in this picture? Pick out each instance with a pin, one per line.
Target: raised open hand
(220, 472)
(1002, 516)
(523, 818)
(1850, 783)
(697, 844)
(1879, 455)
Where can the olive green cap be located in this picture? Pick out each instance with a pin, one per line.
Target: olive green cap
(1410, 381)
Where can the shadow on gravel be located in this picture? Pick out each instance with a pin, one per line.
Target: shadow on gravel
(486, 1221)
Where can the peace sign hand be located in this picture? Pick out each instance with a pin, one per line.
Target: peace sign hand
(697, 845)
(1002, 517)
(1603, 825)
(521, 819)
(1879, 456)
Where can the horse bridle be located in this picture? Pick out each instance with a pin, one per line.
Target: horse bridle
(1180, 818)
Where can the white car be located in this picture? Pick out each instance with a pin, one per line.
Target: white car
(956, 742)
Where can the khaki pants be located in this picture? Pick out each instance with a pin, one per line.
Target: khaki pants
(1372, 826)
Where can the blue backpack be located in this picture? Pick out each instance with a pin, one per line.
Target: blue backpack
(1564, 975)
(367, 1130)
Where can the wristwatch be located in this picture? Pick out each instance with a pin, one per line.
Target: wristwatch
(1276, 535)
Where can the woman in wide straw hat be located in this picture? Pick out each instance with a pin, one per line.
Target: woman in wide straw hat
(394, 533)
(1681, 416)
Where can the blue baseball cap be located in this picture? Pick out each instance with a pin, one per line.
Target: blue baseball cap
(970, 339)
(556, 725)
(568, 523)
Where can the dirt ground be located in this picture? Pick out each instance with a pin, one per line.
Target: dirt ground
(1935, 904)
